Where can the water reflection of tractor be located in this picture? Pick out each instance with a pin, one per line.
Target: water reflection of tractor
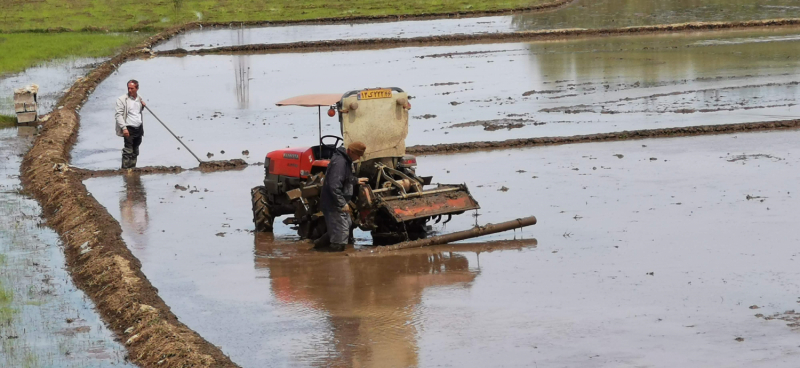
(395, 205)
(370, 303)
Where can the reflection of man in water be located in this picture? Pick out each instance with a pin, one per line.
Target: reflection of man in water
(370, 301)
(133, 207)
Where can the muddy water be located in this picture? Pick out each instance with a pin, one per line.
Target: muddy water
(44, 320)
(52, 77)
(650, 253)
(461, 93)
(579, 14)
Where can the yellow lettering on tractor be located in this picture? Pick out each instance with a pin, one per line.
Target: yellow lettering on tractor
(375, 93)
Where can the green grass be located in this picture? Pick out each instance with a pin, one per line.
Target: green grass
(6, 297)
(19, 51)
(31, 361)
(6, 121)
(20, 15)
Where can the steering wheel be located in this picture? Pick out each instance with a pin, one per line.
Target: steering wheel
(335, 143)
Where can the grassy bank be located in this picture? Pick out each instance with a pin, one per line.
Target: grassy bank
(20, 15)
(19, 51)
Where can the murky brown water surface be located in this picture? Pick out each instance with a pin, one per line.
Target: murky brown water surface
(461, 93)
(579, 14)
(44, 320)
(650, 253)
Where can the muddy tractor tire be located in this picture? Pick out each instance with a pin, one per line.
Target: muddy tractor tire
(262, 216)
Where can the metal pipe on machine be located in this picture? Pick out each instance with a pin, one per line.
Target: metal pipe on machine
(461, 235)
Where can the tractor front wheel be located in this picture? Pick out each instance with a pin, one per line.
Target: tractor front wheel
(262, 216)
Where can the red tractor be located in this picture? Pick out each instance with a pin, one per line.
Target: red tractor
(394, 206)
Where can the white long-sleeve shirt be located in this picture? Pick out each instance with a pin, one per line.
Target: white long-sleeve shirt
(134, 112)
(128, 113)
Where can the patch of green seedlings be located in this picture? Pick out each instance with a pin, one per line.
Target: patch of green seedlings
(30, 361)
(7, 121)
(6, 311)
(19, 51)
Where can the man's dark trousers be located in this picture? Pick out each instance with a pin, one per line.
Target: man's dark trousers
(131, 150)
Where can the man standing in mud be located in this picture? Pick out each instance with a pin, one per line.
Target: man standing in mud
(337, 190)
(128, 117)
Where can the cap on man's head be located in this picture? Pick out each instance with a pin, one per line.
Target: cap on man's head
(357, 148)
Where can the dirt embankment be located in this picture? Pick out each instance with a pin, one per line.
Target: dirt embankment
(99, 261)
(603, 137)
(521, 36)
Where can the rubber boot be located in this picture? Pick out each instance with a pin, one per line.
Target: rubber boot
(337, 247)
(128, 159)
(126, 162)
(324, 241)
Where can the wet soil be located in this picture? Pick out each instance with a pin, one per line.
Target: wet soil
(44, 320)
(492, 125)
(598, 14)
(205, 166)
(84, 173)
(676, 267)
(648, 81)
(221, 165)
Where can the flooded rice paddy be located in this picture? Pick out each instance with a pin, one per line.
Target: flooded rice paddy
(52, 77)
(225, 103)
(44, 320)
(659, 253)
(578, 14)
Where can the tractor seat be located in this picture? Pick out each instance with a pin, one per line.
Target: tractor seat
(323, 152)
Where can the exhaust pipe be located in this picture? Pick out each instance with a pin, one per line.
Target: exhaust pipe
(460, 235)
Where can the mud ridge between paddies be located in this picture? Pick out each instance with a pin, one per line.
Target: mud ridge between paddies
(604, 137)
(205, 166)
(498, 37)
(322, 21)
(98, 259)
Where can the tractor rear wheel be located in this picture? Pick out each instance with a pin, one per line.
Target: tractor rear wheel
(262, 216)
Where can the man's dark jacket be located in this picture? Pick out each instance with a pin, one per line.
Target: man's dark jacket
(339, 182)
